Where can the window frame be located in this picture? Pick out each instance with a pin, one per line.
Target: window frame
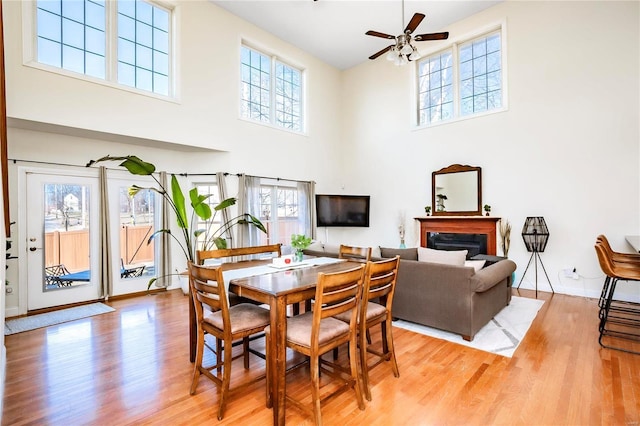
(212, 201)
(454, 46)
(274, 59)
(276, 221)
(30, 50)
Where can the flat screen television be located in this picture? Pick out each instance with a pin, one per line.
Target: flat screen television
(342, 210)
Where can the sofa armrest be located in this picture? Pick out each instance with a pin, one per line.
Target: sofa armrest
(491, 275)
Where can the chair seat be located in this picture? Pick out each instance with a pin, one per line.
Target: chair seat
(374, 310)
(299, 329)
(244, 316)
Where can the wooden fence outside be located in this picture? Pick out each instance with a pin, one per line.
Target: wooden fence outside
(71, 248)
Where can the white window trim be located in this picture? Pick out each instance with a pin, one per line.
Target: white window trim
(286, 61)
(30, 40)
(454, 45)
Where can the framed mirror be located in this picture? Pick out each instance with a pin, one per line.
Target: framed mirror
(457, 191)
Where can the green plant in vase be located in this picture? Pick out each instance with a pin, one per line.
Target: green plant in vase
(205, 237)
(440, 202)
(299, 242)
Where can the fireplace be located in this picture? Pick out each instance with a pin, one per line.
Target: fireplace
(473, 243)
(474, 233)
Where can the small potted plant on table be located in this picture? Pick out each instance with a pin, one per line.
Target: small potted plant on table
(299, 242)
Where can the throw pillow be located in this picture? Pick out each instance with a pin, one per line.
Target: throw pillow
(407, 254)
(375, 252)
(449, 257)
(475, 264)
(316, 246)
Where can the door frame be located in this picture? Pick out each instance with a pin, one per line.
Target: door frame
(22, 242)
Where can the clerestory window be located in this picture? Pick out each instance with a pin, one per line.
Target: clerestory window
(127, 42)
(271, 91)
(464, 80)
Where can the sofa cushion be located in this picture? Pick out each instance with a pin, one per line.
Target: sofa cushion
(406, 254)
(449, 257)
(332, 248)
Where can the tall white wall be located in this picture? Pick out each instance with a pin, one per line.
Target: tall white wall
(566, 149)
(205, 116)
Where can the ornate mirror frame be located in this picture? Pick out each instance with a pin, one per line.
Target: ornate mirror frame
(457, 168)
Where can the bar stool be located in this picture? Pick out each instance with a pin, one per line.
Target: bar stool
(618, 319)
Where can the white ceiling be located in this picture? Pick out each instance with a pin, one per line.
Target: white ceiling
(334, 30)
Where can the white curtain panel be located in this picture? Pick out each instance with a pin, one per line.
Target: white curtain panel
(164, 278)
(106, 275)
(307, 209)
(224, 194)
(249, 202)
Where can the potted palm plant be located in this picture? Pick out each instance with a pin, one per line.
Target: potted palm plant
(204, 238)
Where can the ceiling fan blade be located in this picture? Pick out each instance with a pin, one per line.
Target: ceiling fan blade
(432, 36)
(377, 34)
(414, 22)
(382, 52)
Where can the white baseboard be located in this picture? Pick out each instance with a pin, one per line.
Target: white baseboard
(12, 312)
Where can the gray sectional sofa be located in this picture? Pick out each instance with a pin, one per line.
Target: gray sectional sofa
(452, 298)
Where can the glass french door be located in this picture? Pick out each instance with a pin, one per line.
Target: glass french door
(62, 239)
(133, 220)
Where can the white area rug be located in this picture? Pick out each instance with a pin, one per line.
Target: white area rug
(32, 322)
(501, 335)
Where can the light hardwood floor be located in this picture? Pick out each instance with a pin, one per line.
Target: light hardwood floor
(131, 367)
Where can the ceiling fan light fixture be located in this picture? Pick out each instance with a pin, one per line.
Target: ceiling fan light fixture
(415, 55)
(392, 55)
(400, 61)
(407, 49)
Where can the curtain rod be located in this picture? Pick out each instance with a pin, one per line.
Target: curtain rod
(277, 178)
(184, 174)
(50, 163)
(240, 174)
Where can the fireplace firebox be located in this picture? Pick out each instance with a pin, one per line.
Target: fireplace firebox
(481, 227)
(473, 243)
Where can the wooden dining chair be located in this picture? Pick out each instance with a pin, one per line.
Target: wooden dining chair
(318, 332)
(226, 324)
(203, 255)
(355, 254)
(232, 255)
(379, 285)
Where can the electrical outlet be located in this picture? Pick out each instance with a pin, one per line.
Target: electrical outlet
(574, 274)
(568, 272)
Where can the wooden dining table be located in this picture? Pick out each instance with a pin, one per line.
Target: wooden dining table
(280, 289)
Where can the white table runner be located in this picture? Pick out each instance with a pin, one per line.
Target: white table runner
(266, 269)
